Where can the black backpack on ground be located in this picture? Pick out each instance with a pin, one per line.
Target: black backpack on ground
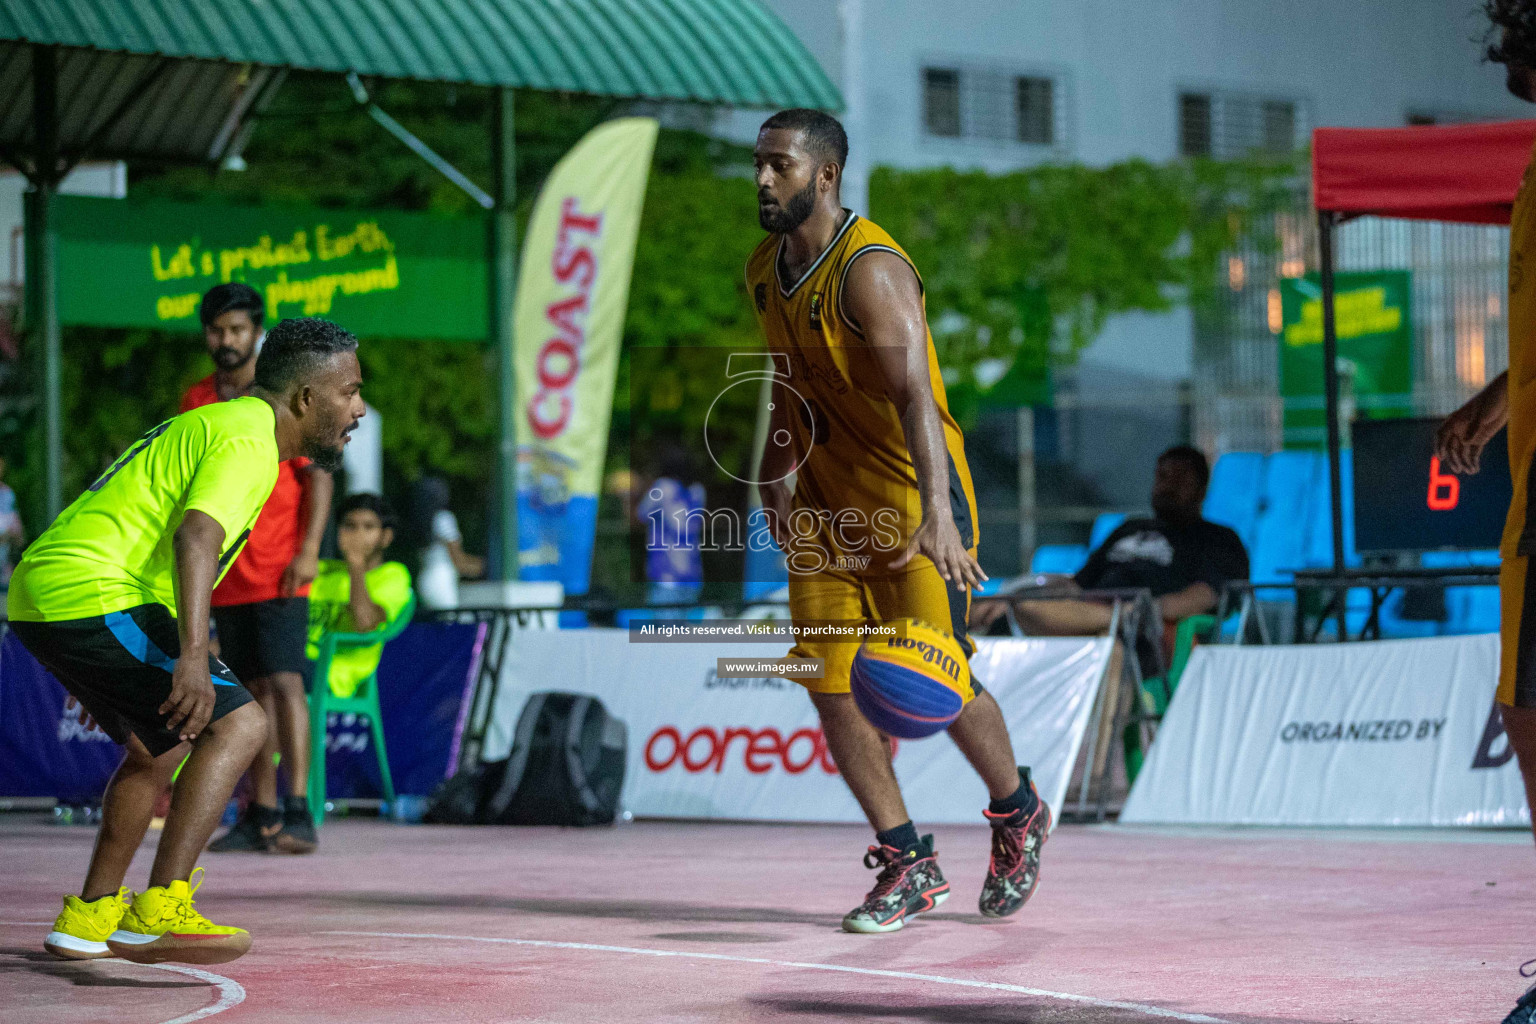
(457, 801)
(566, 768)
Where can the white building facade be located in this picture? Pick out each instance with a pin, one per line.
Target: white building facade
(1003, 84)
(999, 85)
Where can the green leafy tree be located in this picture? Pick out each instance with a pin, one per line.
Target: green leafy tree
(1021, 271)
(1024, 268)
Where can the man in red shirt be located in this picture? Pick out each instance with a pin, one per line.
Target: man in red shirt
(261, 608)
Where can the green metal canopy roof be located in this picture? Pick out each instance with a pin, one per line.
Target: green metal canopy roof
(713, 51)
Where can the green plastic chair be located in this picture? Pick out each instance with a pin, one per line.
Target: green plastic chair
(1157, 692)
(365, 701)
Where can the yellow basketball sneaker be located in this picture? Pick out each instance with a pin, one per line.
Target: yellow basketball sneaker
(162, 924)
(80, 931)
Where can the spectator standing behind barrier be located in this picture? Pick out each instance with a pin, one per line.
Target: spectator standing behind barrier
(436, 537)
(261, 608)
(1183, 559)
(12, 536)
(359, 592)
(672, 515)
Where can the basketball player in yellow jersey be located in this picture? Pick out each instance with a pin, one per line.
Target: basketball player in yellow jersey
(881, 524)
(1511, 399)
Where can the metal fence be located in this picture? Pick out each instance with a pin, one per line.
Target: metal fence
(1459, 274)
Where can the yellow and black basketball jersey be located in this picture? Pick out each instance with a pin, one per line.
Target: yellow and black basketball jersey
(858, 476)
(1519, 537)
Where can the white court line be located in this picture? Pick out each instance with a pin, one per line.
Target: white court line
(231, 993)
(27, 924)
(997, 986)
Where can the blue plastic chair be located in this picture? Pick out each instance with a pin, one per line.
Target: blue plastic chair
(1058, 558)
(1232, 499)
(1287, 495)
(1320, 529)
(1319, 549)
(1106, 524)
(1468, 609)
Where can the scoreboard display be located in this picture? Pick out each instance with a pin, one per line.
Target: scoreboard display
(1405, 500)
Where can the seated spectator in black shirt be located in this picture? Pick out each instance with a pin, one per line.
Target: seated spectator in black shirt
(1180, 557)
(1183, 559)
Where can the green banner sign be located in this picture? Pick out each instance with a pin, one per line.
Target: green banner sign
(377, 273)
(1373, 316)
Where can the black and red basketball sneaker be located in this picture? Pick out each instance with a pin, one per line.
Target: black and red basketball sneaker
(1525, 1010)
(909, 883)
(1015, 869)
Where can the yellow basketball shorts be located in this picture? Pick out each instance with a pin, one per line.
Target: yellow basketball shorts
(914, 592)
(1517, 634)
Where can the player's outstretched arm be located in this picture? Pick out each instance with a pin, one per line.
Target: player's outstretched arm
(883, 298)
(1465, 432)
(197, 544)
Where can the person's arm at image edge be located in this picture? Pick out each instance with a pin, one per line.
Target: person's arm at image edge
(1466, 432)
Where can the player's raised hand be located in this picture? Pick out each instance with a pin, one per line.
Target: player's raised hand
(1466, 432)
(190, 704)
(939, 539)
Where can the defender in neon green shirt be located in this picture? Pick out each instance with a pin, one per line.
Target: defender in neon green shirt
(359, 592)
(113, 600)
(112, 550)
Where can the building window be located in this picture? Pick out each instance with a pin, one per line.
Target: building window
(1036, 113)
(997, 106)
(1279, 126)
(1227, 125)
(941, 102)
(1194, 125)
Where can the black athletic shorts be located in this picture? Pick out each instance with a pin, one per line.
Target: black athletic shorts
(265, 637)
(119, 667)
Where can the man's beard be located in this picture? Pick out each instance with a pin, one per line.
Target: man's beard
(227, 358)
(1518, 81)
(792, 214)
(323, 456)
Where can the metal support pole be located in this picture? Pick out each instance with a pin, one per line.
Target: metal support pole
(855, 178)
(1326, 222)
(502, 265)
(42, 269)
(1026, 432)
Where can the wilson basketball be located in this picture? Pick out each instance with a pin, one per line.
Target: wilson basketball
(913, 685)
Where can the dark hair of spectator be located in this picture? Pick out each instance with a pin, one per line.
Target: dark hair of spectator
(824, 136)
(370, 503)
(1512, 36)
(295, 348)
(1192, 459)
(222, 298)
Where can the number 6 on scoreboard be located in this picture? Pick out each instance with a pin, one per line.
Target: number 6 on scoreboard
(1444, 488)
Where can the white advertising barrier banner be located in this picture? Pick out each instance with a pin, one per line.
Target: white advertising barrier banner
(705, 747)
(1395, 732)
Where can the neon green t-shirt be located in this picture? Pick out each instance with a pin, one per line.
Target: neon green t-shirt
(112, 548)
(389, 584)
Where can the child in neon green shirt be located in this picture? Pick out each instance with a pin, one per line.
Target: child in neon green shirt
(359, 592)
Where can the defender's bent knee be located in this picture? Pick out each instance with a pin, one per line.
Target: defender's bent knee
(246, 725)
